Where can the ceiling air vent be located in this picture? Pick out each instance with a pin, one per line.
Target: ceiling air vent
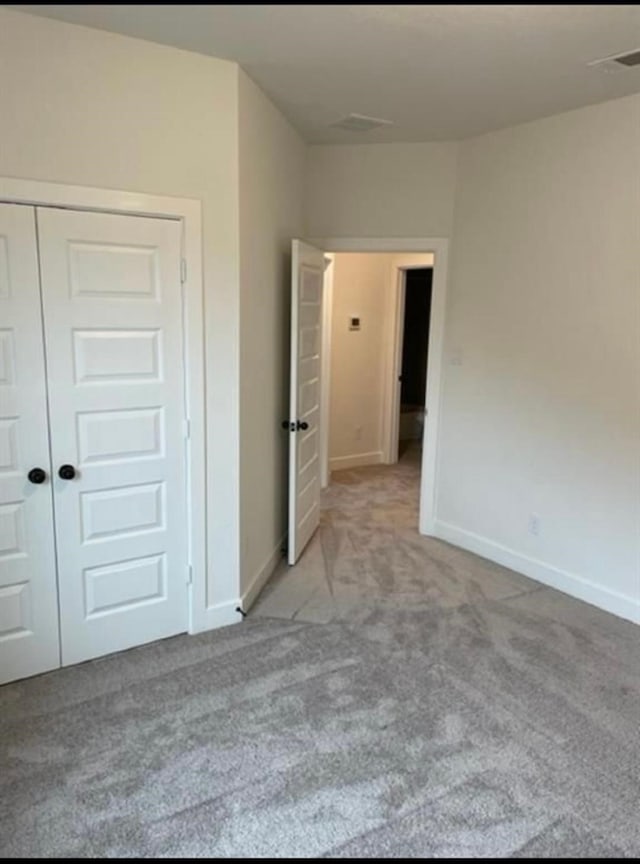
(617, 62)
(360, 123)
(631, 59)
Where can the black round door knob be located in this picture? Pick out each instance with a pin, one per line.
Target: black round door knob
(66, 472)
(37, 476)
(302, 424)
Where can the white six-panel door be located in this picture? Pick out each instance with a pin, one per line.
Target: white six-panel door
(28, 596)
(307, 275)
(113, 331)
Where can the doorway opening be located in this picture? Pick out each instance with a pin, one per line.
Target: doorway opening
(407, 253)
(414, 351)
(377, 337)
(346, 364)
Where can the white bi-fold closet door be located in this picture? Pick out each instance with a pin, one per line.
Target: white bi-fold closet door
(93, 516)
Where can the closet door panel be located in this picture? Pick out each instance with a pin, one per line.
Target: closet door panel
(113, 324)
(29, 641)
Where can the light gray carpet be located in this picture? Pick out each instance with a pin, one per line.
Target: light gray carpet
(447, 708)
(368, 551)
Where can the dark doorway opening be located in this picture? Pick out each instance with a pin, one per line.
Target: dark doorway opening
(415, 349)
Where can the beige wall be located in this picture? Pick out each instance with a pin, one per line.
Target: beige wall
(272, 160)
(543, 413)
(86, 107)
(361, 287)
(380, 190)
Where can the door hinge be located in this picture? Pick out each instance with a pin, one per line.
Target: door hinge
(187, 428)
(189, 574)
(183, 270)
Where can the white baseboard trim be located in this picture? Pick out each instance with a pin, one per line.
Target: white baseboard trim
(356, 460)
(262, 576)
(570, 583)
(220, 615)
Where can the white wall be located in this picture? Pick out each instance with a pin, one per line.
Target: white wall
(542, 411)
(380, 190)
(543, 414)
(272, 159)
(86, 107)
(362, 288)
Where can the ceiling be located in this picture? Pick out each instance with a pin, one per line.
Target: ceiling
(438, 72)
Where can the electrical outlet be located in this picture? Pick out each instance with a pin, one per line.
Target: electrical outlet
(534, 524)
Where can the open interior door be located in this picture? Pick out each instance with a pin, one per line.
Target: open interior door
(307, 274)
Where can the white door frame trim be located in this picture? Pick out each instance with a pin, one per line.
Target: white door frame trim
(189, 212)
(439, 246)
(325, 368)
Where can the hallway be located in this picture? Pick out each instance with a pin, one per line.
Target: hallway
(368, 551)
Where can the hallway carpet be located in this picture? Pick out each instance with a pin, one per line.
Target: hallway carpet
(442, 707)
